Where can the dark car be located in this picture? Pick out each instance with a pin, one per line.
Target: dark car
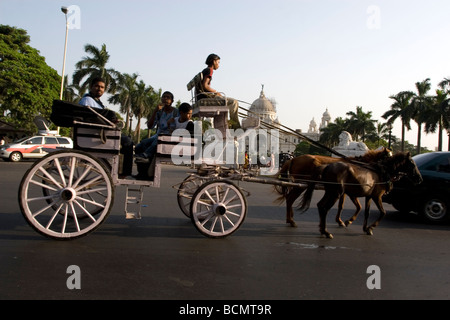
(431, 198)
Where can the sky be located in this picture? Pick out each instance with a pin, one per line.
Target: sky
(309, 55)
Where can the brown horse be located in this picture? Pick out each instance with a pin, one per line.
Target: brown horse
(304, 167)
(371, 181)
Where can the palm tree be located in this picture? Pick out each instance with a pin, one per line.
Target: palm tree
(418, 104)
(400, 109)
(380, 133)
(435, 115)
(330, 134)
(144, 99)
(445, 85)
(93, 66)
(71, 92)
(126, 87)
(360, 123)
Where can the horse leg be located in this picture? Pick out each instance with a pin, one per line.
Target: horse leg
(340, 207)
(366, 229)
(324, 205)
(355, 215)
(380, 207)
(291, 196)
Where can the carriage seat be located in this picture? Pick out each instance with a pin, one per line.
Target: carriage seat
(93, 130)
(67, 114)
(178, 148)
(208, 107)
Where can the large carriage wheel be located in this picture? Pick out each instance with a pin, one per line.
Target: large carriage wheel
(66, 194)
(185, 192)
(218, 208)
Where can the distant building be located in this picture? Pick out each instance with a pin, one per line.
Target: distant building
(264, 109)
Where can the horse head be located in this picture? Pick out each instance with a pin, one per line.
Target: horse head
(404, 165)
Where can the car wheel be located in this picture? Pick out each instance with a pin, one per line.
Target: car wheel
(15, 156)
(435, 210)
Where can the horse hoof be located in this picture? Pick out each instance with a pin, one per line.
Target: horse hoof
(292, 223)
(327, 235)
(342, 224)
(369, 231)
(347, 223)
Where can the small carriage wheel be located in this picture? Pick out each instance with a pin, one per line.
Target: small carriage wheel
(186, 191)
(77, 186)
(218, 208)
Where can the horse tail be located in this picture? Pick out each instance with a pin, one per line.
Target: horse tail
(305, 200)
(306, 197)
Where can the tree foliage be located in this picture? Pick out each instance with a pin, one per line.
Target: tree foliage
(28, 85)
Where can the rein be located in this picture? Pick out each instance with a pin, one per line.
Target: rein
(288, 130)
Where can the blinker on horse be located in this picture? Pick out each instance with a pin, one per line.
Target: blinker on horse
(371, 181)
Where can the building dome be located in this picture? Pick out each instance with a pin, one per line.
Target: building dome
(326, 119)
(263, 108)
(326, 115)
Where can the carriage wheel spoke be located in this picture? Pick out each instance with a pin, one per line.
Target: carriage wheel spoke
(228, 219)
(213, 224)
(232, 198)
(81, 177)
(209, 196)
(75, 217)
(43, 185)
(45, 172)
(54, 216)
(233, 213)
(37, 213)
(85, 211)
(60, 171)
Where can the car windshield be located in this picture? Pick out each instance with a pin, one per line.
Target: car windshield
(21, 140)
(423, 158)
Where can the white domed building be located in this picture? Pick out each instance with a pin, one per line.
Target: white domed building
(264, 110)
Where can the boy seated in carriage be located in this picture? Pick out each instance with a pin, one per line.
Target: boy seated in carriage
(168, 119)
(183, 121)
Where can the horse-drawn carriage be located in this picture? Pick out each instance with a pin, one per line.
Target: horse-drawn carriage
(70, 193)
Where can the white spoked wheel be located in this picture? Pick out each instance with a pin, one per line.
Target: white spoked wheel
(186, 191)
(66, 194)
(218, 208)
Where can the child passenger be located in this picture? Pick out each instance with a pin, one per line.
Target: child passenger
(184, 120)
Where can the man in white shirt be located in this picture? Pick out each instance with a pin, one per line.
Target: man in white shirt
(96, 91)
(92, 99)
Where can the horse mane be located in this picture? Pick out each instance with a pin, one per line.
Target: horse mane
(374, 155)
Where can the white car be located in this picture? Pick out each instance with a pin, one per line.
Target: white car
(33, 147)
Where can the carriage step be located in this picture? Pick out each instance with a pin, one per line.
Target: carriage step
(136, 200)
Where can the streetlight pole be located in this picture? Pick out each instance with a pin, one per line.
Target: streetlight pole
(64, 10)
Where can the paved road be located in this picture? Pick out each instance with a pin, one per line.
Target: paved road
(163, 256)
